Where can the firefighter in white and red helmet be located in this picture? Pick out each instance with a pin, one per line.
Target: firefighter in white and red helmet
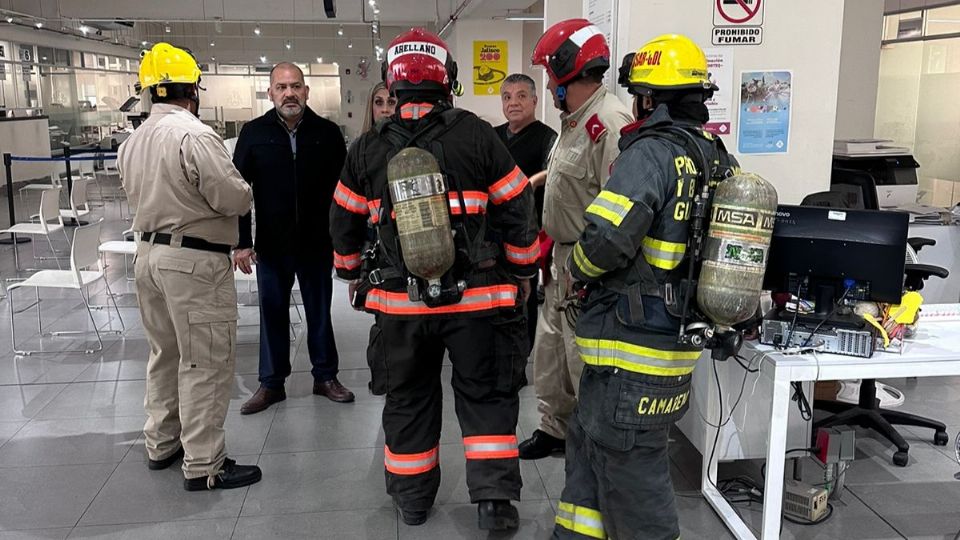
(576, 57)
(465, 188)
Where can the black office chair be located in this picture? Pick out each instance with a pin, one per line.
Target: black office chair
(867, 412)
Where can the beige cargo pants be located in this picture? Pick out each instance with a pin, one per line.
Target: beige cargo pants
(188, 305)
(556, 362)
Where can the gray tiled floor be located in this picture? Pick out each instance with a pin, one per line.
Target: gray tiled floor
(72, 457)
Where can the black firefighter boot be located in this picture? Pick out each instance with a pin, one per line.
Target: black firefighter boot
(497, 515)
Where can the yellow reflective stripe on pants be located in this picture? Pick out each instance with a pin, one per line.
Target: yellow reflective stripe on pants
(663, 254)
(584, 264)
(611, 207)
(581, 520)
(636, 358)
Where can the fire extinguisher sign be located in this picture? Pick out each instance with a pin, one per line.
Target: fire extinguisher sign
(738, 22)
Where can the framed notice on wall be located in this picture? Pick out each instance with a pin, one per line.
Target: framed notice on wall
(602, 14)
(720, 73)
(489, 67)
(766, 103)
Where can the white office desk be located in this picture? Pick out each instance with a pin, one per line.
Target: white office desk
(935, 352)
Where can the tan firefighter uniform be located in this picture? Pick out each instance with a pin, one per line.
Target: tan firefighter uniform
(579, 167)
(181, 183)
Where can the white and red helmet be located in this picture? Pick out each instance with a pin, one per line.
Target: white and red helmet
(570, 49)
(419, 60)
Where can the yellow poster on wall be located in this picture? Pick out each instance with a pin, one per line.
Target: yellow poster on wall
(489, 67)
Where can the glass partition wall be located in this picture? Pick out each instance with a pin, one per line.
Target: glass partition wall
(82, 92)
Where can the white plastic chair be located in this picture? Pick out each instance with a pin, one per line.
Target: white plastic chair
(87, 172)
(49, 211)
(79, 205)
(125, 248)
(55, 182)
(86, 268)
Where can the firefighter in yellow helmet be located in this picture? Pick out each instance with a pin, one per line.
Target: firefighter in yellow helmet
(187, 197)
(631, 259)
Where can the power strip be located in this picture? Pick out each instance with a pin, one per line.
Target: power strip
(940, 312)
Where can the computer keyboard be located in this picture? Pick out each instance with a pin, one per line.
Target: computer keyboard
(940, 312)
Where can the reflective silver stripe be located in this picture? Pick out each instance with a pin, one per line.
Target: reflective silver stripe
(467, 300)
(662, 254)
(501, 192)
(410, 464)
(489, 447)
(581, 519)
(350, 204)
(596, 355)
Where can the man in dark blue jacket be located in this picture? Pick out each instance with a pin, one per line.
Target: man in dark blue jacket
(292, 158)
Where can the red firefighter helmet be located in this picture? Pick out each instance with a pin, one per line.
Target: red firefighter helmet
(419, 60)
(570, 48)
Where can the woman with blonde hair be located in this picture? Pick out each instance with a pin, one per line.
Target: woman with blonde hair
(380, 105)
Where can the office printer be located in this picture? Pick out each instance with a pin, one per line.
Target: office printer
(893, 174)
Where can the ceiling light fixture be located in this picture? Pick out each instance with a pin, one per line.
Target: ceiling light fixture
(9, 19)
(256, 29)
(319, 59)
(263, 59)
(376, 10)
(84, 29)
(39, 24)
(213, 58)
(288, 45)
(213, 43)
(522, 18)
(350, 45)
(166, 28)
(340, 30)
(143, 43)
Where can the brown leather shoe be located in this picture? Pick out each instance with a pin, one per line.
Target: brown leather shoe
(262, 400)
(333, 390)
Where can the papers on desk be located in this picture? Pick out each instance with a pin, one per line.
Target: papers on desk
(939, 313)
(930, 215)
(867, 147)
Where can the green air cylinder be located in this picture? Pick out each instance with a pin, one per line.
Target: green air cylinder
(419, 194)
(736, 248)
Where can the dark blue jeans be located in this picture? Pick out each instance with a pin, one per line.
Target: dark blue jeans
(275, 274)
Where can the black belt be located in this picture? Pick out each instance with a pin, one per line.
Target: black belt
(568, 244)
(187, 242)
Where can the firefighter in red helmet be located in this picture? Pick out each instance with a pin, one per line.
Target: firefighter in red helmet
(473, 308)
(576, 57)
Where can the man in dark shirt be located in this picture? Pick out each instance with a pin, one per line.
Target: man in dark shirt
(292, 157)
(529, 142)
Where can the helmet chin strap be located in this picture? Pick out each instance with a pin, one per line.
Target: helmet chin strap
(561, 94)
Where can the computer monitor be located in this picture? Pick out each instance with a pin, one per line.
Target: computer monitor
(835, 250)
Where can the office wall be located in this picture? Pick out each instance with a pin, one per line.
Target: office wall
(460, 41)
(859, 69)
(801, 36)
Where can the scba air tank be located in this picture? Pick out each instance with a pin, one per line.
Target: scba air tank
(736, 248)
(419, 195)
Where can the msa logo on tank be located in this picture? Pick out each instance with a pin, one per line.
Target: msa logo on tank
(656, 405)
(749, 245)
